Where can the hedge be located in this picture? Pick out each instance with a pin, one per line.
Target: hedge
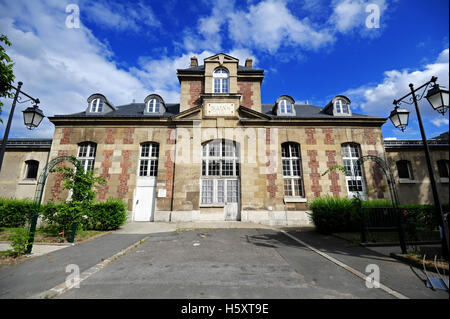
(15, 212)
(331, 214)
(107, 215)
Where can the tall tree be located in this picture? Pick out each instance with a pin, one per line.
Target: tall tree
(6, 71)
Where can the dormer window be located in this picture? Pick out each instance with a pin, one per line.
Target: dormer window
(285, 107)
(153, 106)
(221, 81)
(342, 107)
(97, 106)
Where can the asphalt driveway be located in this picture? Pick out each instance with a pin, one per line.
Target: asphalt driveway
(223, 263)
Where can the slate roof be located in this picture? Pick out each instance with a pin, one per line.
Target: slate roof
(127, 110)
(135, 110)
(310, 111)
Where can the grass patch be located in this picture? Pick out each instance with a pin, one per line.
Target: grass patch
(50, 235)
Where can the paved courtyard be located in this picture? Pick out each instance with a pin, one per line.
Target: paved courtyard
(257, 262)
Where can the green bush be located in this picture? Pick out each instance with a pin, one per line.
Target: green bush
(107, 215)
(15, 212)
(19, 241)
(331, 214)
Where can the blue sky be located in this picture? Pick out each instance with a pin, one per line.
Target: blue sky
(311, 50)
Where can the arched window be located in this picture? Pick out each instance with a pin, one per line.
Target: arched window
(148, 160)
(353, 172)
(221, 81)
(86, 155)
(443, 168)
(220, 171)
(31, 169)
(153, 106)
(404, 169)
(97, 105)
(292, 169)
(285, 106)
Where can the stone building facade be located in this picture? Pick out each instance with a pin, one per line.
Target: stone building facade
(220, 154)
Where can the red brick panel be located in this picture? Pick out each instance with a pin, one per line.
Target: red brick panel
(310, 139)
(195, 89)
(105, 166)
(169, 164)
(124, 176)
(329, 136)
(67, 131)
(333, 176)
(377, 175)
(369, 136)
(110, 136)
(57, 188)
(245, 88)
(128, 138)
(314, 175)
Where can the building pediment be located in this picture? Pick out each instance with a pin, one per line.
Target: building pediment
(221, 58)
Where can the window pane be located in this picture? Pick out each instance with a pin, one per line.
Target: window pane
(143, 168)
(232, 191)
(204, 168)
(286, 168)
(207, 191)
(443, 168)
(224, 85)
(155, 150)
(288, 187)
(296, 167)
(285, 150)
(294, 150)
(32, 169)
(403, 171)
(220, 191)
(216, 85)
(227, 168)
(298, 187)
(214, 168)
(99, 105)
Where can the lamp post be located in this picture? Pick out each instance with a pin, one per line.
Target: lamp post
(438, 98)
(32, 117)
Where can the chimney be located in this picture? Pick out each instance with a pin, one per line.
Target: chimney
(194, 61)
(249, 63)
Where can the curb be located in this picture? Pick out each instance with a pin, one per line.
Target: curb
(63, 287)
(416, 264)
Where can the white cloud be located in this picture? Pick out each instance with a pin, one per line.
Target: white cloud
(440, 121)
(377, 99)
(120, 16)
(60, 66)
(349, 15)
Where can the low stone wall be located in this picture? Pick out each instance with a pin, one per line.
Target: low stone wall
(278, 218)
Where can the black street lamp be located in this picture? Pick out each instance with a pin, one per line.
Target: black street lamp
(32, 117)
(438, 99)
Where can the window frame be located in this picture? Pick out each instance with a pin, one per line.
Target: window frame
(218, 185)
(443, 179)
(152, 104)
(339, 107)
(223, 80)
(294, 174)
(97, 105)
(354, 152)
(408, 169)
(27, 169)
(151, 157)
(89, 155)
(283, 107)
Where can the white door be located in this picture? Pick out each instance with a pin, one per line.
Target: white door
(231, 199)
(144, 204)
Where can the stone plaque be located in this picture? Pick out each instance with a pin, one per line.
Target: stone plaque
(220, 109)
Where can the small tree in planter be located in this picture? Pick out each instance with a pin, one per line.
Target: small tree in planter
(82, 185)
